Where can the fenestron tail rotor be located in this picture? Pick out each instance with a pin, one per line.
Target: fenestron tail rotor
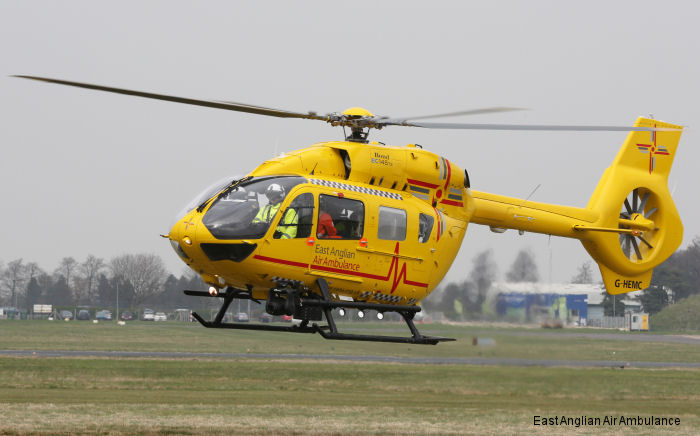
(637, 226)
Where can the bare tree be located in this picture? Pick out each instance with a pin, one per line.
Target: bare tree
(584, 274)
(524, 268)
(67, 269)
(33, 271)
(87, 278)
(34, 290)
(146, 273)
(483, 273)
(45, 281)
(13, 278)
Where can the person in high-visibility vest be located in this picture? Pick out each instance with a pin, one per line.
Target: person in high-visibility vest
(288, 225)
(288, 231)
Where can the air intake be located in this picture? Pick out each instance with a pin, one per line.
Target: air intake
(234, 252)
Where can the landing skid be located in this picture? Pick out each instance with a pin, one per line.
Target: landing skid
(307, 304)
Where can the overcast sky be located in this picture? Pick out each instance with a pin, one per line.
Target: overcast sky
(85, 172)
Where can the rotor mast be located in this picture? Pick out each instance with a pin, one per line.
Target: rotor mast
(358, 132)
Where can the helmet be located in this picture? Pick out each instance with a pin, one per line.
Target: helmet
(275, 193)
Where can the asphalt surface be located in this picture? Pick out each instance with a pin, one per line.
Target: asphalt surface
(643, 337)
(629, 337)
(349, 358)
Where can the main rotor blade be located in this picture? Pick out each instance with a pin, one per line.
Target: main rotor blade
(486, 110)
(544, 127)
(231, 106)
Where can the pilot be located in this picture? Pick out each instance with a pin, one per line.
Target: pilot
(287, 228)
(275, 195)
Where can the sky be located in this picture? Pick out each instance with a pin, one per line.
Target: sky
(85, 172)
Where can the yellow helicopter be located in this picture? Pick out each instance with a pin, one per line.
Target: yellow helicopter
(360, 225)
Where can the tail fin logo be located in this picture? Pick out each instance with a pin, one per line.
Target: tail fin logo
(653, 150)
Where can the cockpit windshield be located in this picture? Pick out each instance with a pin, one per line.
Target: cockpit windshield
(247, 210)
(206, 195)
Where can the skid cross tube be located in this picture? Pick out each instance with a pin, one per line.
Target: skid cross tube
(329, 331)
(273, 328)
(231, 294)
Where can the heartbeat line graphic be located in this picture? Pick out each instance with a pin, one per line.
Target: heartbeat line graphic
(401, 275)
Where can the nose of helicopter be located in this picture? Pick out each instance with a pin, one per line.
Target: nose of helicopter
(181, 235)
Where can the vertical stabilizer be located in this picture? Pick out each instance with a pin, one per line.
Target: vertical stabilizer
(639, 226)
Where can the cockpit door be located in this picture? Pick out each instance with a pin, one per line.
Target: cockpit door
(287, 245)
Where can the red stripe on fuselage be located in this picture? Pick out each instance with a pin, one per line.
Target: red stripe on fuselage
(452, 203)
(421, 183)
(439, 221)
(394, 267)
(282, 261)
(449, 174)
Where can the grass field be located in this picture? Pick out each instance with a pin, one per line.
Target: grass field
(172, 336)
(258, 396)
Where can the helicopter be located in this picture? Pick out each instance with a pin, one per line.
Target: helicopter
(356, 224)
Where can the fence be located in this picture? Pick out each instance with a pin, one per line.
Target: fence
(609, 322)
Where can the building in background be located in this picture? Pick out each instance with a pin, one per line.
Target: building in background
(564, 303)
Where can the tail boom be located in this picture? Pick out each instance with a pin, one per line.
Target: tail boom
(630, 224)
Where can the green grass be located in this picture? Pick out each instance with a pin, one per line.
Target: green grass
(189, 337)
(189, 396)
(159, 396)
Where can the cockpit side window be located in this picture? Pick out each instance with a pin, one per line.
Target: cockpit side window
(392, 224)
(425, 227)
(340, 218)
(297, 219)
(247, 211)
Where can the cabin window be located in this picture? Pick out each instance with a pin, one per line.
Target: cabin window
(340, 218)
(392, 224)
(297, 220)
(425, 227)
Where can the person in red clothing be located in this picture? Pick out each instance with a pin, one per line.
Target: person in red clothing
(326, 229)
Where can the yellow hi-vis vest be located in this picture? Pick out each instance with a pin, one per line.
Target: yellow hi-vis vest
(267, 213)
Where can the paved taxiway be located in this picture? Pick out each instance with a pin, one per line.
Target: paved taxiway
(350, 358)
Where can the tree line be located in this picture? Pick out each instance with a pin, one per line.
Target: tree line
(141, 279)
(467, 299)
(135, 279)
(675, 279)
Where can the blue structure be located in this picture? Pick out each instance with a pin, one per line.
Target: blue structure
(570, 308)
